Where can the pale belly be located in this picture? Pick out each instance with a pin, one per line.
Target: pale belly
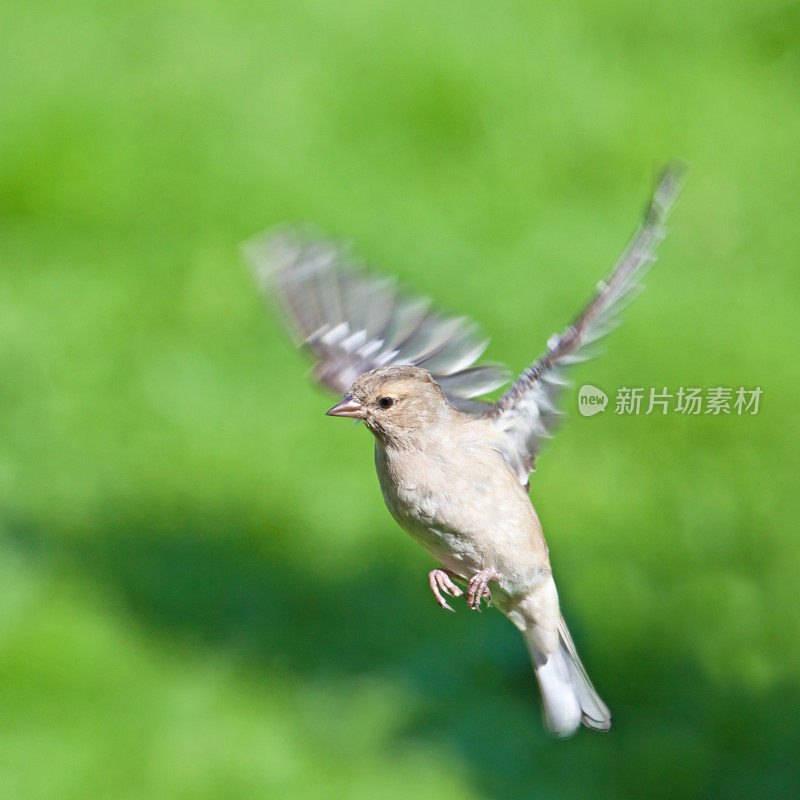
(468, 520)
(455, 552)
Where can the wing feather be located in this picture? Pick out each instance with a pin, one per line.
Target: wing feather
(352, 321)
(528, 411)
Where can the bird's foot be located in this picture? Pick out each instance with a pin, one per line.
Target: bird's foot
(440, 580)
(478, 588)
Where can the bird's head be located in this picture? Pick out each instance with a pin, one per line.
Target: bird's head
(394, 402)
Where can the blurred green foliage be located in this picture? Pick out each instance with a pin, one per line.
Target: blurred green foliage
(202, 595)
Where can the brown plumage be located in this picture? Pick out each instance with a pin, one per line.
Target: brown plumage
(454, 470)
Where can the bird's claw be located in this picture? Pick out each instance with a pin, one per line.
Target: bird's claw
(478, 588)
(441, 582)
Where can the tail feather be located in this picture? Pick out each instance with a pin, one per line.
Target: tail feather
(568, 697)
(594, 712)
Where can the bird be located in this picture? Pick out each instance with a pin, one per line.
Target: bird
(454, 469)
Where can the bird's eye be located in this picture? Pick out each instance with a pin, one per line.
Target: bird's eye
(385, 402)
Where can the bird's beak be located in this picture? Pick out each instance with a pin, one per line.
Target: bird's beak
(348, 407)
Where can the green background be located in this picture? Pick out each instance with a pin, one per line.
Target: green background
(202, 595)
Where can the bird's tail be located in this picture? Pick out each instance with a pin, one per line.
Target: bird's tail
(568, 697)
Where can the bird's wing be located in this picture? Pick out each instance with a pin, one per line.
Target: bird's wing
(528, 412)
(352, 321)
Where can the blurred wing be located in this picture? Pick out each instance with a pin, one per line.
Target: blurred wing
(353, 321)
(528, 412)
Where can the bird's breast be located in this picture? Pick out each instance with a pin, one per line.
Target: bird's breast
(463, 505)
(449, 487)
(420, 483)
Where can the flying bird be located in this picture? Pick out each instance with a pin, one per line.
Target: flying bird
(454, 470)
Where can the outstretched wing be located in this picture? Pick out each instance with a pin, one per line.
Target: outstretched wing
(353, 321)
(528, 412)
